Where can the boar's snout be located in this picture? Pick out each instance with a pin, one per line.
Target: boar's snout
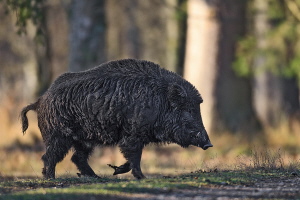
(207, 146)
(203, 140)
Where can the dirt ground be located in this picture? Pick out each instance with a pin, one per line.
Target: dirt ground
(283, 189)
(268, 188)
(274, 188)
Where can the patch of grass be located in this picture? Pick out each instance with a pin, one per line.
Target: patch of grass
(7, 186)
(267, 160)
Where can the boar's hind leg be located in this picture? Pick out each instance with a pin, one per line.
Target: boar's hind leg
(80, 159)
(134, 158)
(56, 150)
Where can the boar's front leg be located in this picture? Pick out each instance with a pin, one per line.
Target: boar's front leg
(133, 156)
(121, 169)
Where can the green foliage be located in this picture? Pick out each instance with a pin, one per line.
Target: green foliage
(281, 51)
(244, 56)
(181, 10)
(27, 10)
(276, 11)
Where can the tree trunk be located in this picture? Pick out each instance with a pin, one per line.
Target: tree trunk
(200, 66)
(51, 56)
(43, 58)
(235, 112)
(135, 32)
(275, 98)
(57, 26)
(87, 34)
(123, 32)
(213, 30)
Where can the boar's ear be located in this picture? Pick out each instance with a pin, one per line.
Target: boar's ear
(176, 94)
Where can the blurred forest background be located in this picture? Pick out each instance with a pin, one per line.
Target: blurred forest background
(242, 55)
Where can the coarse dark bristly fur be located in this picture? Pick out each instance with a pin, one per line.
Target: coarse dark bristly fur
(129, 103)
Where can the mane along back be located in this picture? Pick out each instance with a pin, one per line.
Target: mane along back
(143, 73)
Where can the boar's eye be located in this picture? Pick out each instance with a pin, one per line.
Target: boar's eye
(194, 135)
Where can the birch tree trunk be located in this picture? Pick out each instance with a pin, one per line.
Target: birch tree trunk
(200, 66)
(213, 30)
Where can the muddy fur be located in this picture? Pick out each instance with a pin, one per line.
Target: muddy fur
(129, 103)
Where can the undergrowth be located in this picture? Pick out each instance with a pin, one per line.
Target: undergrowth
(268, 160)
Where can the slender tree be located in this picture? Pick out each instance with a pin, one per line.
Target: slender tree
(233, 93)
(144, 30)
(87, 34)
(270, 54)
(276, 97)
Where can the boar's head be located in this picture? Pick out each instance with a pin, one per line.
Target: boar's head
(187, 125)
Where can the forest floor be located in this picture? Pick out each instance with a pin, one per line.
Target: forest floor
(213, 184)
(171, 173)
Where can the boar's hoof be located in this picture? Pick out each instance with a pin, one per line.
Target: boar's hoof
(92, 176)
(138, 175)
(121, 169)
(48, 174)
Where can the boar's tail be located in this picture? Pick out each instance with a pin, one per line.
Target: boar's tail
(24, 118)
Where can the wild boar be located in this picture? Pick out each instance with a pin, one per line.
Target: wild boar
(129, 103)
